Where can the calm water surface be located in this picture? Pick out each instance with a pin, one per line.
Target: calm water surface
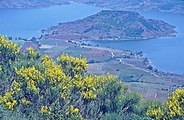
(28, 22)
(166, 54)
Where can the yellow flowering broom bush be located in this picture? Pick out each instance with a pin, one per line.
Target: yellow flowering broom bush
(8, 50)
(40, 88)
(175, 104)
(173, 109)
(51, 88)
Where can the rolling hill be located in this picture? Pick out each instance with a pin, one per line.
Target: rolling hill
(110, 25)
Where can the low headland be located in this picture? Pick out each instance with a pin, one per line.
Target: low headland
(111, 25)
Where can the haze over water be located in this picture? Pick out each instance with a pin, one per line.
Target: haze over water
(165, 53)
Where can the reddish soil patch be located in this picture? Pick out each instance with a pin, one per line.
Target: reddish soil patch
(28, 44)
(68, 37)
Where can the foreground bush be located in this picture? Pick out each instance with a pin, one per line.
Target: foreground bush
(43, 88)
(34, 87)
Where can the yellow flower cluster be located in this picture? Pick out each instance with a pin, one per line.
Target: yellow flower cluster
(157, 114)
(77, 65)
(55, 74)
(16, 86)
(89, 94)
(91, 85)
(32, 77)
(175, 104)
(32, 86)
(174, 107)
(1, 68)
(72, 111)
(8, 100)
(8, 47)
(47, 62)
(32, 53)
(65, 87)
(24, 101)
(10, 105)
(45, 109)
(30, 73)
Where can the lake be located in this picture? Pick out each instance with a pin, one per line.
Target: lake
(27, 23)
(166, 53)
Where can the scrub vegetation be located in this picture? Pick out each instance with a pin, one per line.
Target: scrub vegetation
(38, 87)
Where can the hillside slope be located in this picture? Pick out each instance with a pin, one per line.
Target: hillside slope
(111, 25)
(161, 5)
(29, 3)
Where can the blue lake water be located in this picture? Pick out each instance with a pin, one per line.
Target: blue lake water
(27, 23)
(166, 54)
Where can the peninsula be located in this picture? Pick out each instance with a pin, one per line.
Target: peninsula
(110, 25)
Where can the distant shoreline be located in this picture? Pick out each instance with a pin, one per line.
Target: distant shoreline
(126, 7)
(111, 49)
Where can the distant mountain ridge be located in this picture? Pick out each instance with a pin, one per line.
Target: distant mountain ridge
(161, 5)
(111, 25)
(30, 3)
(176, 6)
